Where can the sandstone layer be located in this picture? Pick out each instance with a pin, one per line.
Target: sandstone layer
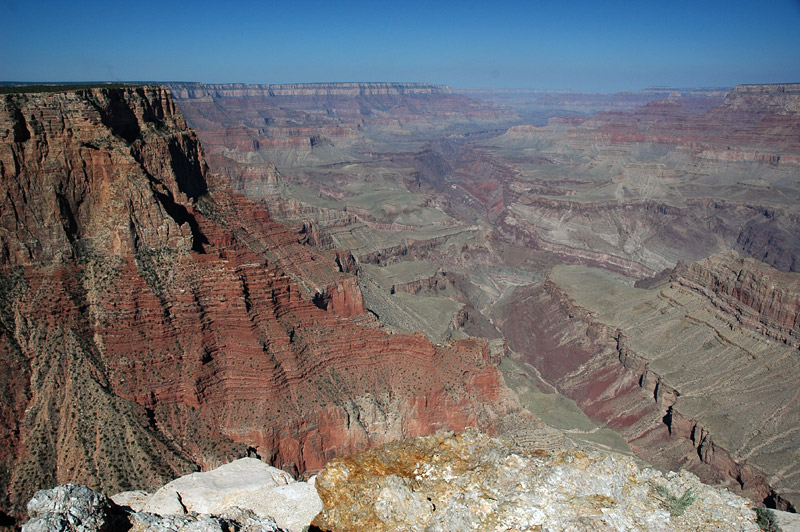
(153, 323)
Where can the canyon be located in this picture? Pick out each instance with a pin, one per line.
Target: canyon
(460, 224)
(155, 323)
(324, 268)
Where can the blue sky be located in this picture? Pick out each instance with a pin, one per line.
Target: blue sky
(587, 45)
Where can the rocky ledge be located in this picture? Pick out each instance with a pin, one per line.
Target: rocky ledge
(441, 482)
(473, 482)
(245, 495)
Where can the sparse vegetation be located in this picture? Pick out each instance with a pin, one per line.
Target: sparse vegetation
(766, 520)
(156, 267)
(676, 506)
(12, 285)
(208, 207)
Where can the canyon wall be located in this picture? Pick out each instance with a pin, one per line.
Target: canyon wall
(687, 371)
(153, 323)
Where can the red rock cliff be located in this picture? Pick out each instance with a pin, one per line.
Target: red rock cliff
(151, 322)
(757, 296)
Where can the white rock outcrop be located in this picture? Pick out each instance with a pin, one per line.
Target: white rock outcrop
(246, 495)
(247, 483)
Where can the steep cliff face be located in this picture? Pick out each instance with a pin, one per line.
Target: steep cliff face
(756, 296)
(64, 160)
(152, 323)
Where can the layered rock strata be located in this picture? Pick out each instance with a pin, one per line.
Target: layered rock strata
(649, 187)
(319, 123)
(153, 323)
(756, 296)
(689, 371)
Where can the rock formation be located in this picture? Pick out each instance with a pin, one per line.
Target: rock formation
(471, 482)
(153, 323)
(246, 484)
(756, 296)
(696, 372)
(438, 482)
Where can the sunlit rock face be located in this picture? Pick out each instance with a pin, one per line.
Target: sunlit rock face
(473, 482)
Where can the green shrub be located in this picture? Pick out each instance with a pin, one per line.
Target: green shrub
(766, 520)
(676, 506)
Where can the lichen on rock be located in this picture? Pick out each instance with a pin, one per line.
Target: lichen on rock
(445, 482)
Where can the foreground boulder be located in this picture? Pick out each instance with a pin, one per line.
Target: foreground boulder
(473, 482)
(246, 495)
(69, 507)
(247, 483)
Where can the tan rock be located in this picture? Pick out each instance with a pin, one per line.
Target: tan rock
(135, 500)
(210, 492)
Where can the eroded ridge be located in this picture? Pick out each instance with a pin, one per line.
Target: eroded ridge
(683, 376)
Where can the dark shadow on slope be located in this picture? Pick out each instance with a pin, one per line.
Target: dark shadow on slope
(188, 169)
(118, 116)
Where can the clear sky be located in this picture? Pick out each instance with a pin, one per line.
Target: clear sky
(598, 45)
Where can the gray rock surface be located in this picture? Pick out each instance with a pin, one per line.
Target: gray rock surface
(211, 491)
(68, 508)
(293, 506)
(787, 522)
(135, 500)
(232, 520)
(247, 483)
